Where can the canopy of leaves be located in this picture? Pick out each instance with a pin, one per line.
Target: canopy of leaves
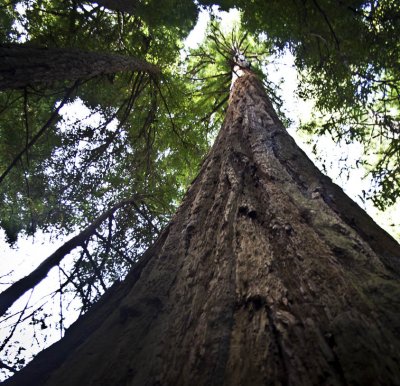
(70, 168)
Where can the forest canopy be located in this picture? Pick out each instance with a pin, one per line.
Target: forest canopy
(346, 54)
(152, 112)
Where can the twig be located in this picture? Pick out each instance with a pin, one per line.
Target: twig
(40, 132)
(14, 292)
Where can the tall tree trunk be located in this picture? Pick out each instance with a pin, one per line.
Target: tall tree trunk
(23, 65)
(267, 274)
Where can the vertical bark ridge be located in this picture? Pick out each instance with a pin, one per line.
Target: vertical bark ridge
(261, 280)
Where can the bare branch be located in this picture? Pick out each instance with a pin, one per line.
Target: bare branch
(40, 132)
(14, 292)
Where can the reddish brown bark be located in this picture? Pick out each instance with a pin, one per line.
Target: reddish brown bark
(267, 275)
(23, 65)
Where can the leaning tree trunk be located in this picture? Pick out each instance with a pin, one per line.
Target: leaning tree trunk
(24, 65)
(267, 275)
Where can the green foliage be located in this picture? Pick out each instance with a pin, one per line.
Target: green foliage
(347, 53)
(22, 193)
(49, 187)
(210, 68)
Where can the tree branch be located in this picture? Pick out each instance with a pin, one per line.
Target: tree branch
(328, 23)
(22, 65)
(15, 291)
(39, 133)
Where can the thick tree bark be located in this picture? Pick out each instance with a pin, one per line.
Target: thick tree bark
(267, 275)
(23, 65)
